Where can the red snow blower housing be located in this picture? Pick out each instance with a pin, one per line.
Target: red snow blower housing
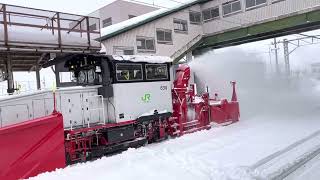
(192, 112)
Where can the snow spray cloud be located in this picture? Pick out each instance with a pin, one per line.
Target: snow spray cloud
(259, 94)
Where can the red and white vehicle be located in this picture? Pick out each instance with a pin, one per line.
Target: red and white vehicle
(110, 104)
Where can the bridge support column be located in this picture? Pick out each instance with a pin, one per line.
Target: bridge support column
(9, 73)
(189, 57)
(38, 76)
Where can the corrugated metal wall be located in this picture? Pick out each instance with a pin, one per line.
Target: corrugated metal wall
(247, 17)
(149, 30)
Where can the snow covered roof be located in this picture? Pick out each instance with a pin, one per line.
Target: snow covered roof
(132, 23)
(129, 1)
(30, 36)
(132, 58)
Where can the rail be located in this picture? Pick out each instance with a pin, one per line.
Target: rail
(310, 156)
(282, 163)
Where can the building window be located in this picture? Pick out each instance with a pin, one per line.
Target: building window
(254, 3)
(231, 7)
(164, 36)
(180, 25)
(157, 72)
(129, 72)
(210, 13)
(131, 16)
(93, 27)
(195, 17)
(146, 44)
(122, 50)
(107, 22)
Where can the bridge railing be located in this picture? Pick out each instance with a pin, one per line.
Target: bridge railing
(30, 28)
(182, 51)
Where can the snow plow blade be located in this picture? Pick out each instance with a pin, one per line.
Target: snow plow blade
(226, 112)
(32, 147)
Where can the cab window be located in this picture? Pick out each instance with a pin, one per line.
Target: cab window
(129, 72)
(156, 72)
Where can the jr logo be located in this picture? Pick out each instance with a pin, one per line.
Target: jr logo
(146, 98)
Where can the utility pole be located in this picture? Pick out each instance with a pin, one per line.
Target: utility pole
(276, 55)
(298, 42)
(286, 57)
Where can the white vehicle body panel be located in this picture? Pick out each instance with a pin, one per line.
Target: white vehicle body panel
(81, 106)
(76, 104)
(134, 99)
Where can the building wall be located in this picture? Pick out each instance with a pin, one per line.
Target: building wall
(120, 10)
(253, 15)
(245, 17)
(149, 30)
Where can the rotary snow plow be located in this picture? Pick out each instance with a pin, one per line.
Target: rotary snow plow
(103, 111)
(192, 112)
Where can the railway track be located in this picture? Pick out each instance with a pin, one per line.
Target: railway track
(283, 163)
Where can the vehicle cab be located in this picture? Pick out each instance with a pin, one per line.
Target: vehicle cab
(132, 87)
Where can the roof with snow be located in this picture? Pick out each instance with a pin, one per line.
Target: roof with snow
(131, 58)
(141, 58)
(129, 1)
(132, 23)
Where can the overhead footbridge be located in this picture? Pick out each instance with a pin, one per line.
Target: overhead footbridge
(29, 37)
(200, 25)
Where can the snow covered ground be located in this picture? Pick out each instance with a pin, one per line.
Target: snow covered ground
(220, 153)
(275, 114)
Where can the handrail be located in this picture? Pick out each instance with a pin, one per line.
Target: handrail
(63, 25)
(186, 47)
